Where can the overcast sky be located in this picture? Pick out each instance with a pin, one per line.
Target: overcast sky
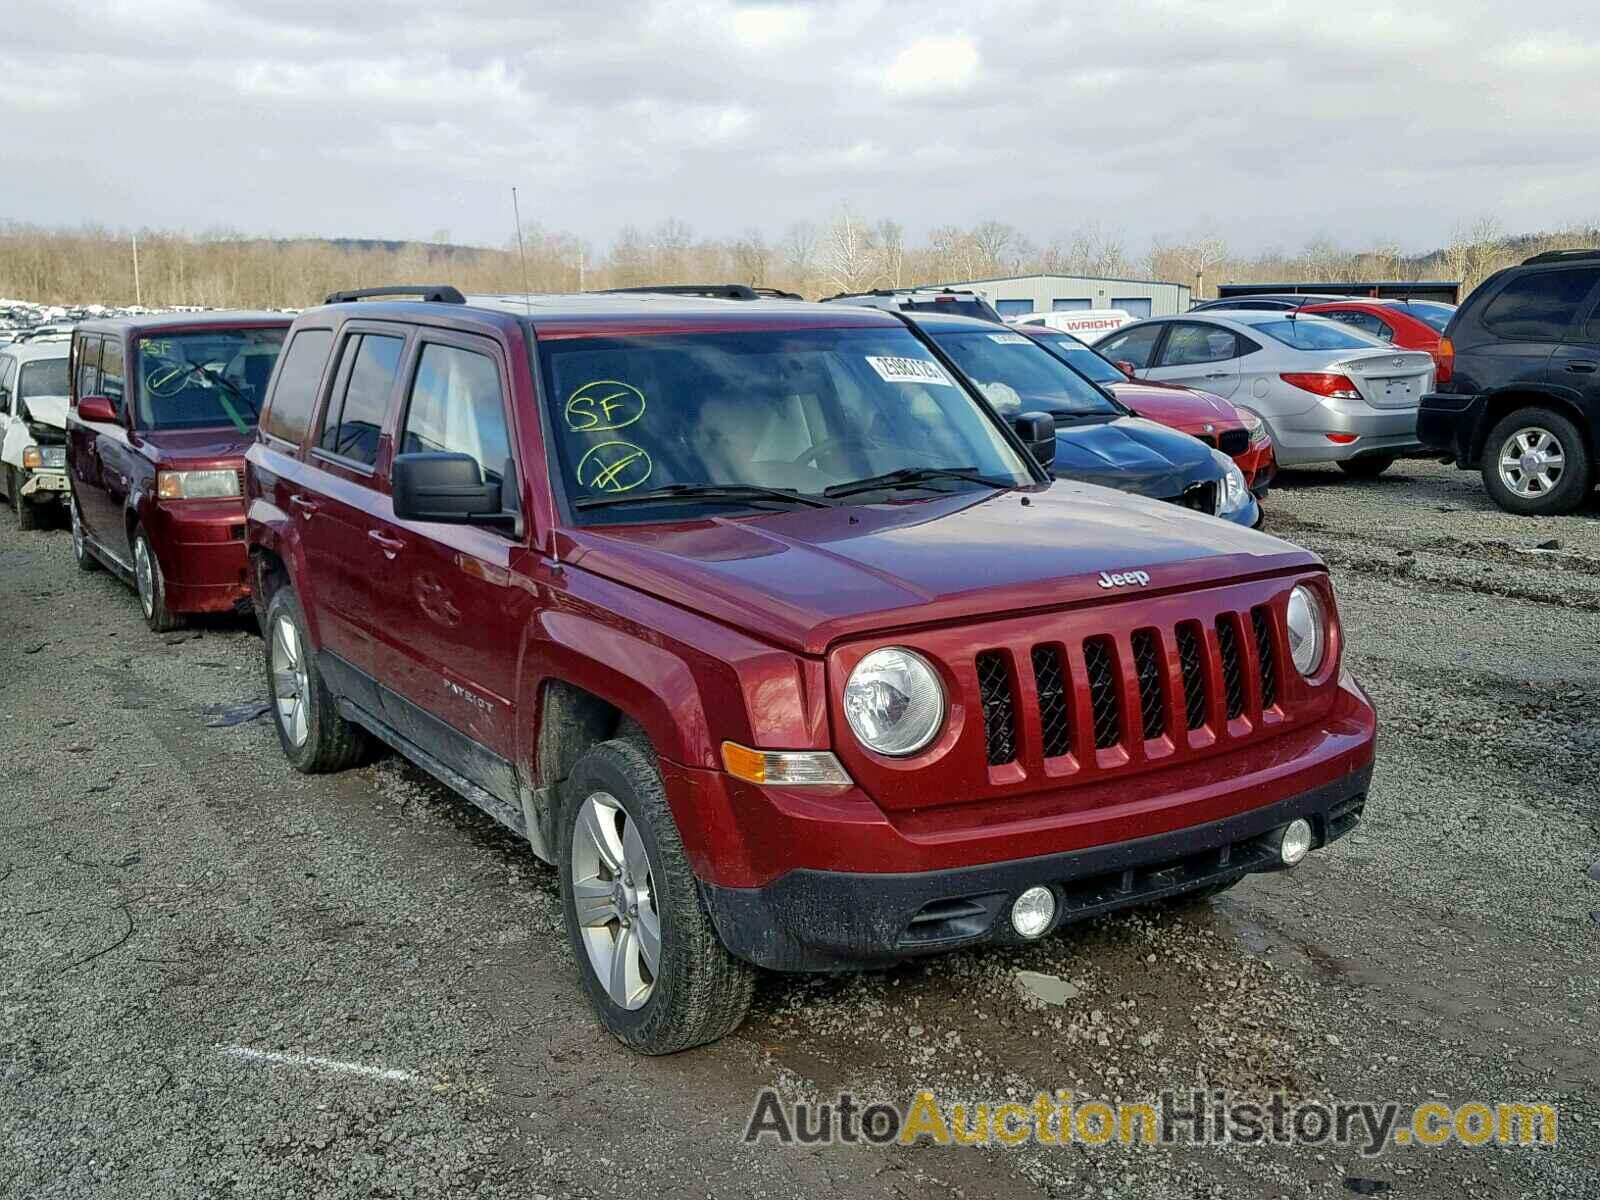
(1271, 123)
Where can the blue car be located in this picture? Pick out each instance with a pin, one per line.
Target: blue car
(1098, 440)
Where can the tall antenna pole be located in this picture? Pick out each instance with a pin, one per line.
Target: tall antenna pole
(527, 292)
(138, 295)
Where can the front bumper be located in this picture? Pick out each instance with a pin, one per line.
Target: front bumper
(45, 485)
(812, 920)
(201, 546)
(1449, 424)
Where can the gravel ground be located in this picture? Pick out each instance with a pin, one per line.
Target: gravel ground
(219, 978)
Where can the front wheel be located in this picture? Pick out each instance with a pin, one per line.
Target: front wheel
(1368, 466)
(648, 955)
(27, 515)
(1536, 463)
(151, 584)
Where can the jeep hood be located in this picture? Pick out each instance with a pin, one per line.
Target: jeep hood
(198, 447)
(809, 577)
(48, 410)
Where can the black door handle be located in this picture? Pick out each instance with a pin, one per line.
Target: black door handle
(1582, 366)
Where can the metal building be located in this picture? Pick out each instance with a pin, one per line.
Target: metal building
(1016, 295)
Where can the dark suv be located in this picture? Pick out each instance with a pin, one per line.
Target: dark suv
(1519, 383)
(771, 636)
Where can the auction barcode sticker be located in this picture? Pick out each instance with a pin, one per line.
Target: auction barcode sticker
(1008, 339)
(908, 370)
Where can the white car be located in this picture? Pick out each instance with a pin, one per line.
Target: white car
(33, 427)
(1084, 323)
(1327, 392)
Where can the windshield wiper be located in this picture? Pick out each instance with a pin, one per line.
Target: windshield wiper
(705, 491)
(233, 388)
(913, 477)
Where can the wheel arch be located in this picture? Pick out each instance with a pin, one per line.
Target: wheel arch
(1498, 404)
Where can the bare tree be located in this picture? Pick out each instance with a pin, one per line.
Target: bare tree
(848, 256)
(890, 240)
(799, 250)
(1197, 255)
(752, 256)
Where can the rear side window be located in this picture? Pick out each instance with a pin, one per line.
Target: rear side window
(295, 394)
(1136, 346)
(1191, 344)
(1364, 321)
(354, 420)
(456, 407)
(89, 367)
(1541, 305)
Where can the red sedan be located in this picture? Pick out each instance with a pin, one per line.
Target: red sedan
(1237, 432)
(1408, 324)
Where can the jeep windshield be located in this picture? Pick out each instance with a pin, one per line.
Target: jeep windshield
(1017, 376)
(200, 379)
(696, 423)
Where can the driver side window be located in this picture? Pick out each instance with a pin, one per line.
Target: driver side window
(456, 407)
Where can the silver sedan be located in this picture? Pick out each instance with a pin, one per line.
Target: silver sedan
(1327, 392)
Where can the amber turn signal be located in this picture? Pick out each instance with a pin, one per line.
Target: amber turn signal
(784, 768)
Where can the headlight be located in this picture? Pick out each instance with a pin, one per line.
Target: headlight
(894, 701)
(1254, 425)
(1233, 493)
(1308, 630)
(197, 485)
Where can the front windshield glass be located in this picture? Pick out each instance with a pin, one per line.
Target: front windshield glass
(794, 409)
(1017, 376)
(1435, 316)
(1080, 358)
(1316, 333)
(200, 379)
(44, 377)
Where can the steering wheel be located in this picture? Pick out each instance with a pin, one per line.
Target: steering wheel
(166, 377)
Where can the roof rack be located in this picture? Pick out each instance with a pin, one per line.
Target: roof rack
(1561, 256)
(438, 293)
(714, 291)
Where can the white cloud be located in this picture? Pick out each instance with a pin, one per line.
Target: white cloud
(933, 64)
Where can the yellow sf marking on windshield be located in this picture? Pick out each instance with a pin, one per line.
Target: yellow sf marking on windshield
(603, 405)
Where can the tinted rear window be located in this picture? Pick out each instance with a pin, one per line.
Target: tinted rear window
(954, 308)
(1313, 333)
(1540, 305)
(295, 394)
(1435, 316)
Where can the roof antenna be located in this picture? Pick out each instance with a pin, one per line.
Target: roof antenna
(527, 292)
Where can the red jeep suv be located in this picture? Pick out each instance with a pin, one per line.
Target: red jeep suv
(160, 411)
(773, 637)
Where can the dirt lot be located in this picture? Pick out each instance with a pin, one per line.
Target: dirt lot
(218, 978)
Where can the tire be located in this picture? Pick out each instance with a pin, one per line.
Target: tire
(1368, 466)
(81, 554)
(1536, 432)
(150, 585)
(698, 992)
(315, 738)
(27, 514)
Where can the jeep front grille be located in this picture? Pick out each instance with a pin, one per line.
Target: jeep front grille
(1103, 692)
(999, 713)
(1214, 674)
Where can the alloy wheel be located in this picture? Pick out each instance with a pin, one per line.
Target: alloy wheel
(1532, 462)
(290, 685)
(79, 549)
(614, 896)
(144, 574)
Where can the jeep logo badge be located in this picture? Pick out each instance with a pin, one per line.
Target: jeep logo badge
(1123, 579)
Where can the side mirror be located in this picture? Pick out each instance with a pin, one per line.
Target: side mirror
(1038, 432)
(98, 409)
(1126, 368)
(449, 488)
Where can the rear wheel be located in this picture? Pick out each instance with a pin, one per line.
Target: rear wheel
(1368, 466)
(648, 955)
(315, 738)
(1536, 463)
(81, 554)
(151, 584)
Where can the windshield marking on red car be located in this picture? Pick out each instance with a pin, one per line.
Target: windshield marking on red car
(592, 408)
(609, 472)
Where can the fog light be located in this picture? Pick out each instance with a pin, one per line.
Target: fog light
(1295, 843)
(1034, 910)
